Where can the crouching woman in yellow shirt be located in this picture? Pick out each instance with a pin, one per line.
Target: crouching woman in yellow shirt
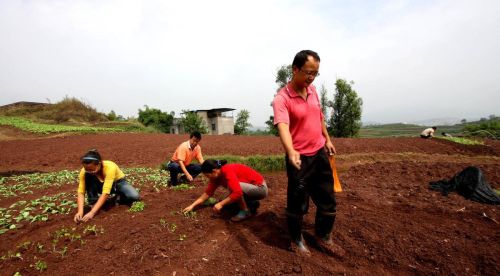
(98, 179)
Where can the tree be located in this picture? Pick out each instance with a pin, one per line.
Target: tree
(324, 101)
(272, 129)
(242, 124)
(190, 121)
(156, 118)
(463, 121)
(345, 120)
(112, 116)
(283, 76)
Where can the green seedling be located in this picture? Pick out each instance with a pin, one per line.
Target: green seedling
(182, 187)
(210, 201)
(190, 214)
(17, 273)
(182, 237)
(25, 245)
(39, 248)
(93, 230)
(137, 206)
(40, 265)
(171, 227)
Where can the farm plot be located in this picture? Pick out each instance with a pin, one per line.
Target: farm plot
(388, 222)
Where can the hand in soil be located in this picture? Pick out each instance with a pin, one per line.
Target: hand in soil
(78, 217)
(217, 207)
(88, 217)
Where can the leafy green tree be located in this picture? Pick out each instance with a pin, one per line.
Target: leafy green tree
(283, 76)
(155, 118)
(241, 126)
(271, 128)
(324, 101)
(190, 121)
(345, 120)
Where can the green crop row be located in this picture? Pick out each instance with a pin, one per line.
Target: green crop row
(28, 125)
(38, 209)
(25, 184)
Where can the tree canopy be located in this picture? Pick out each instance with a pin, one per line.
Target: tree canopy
(241, 126)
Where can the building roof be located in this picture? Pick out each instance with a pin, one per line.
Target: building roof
(225, 109)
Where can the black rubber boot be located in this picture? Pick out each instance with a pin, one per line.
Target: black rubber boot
(295, 231)
(324, 224)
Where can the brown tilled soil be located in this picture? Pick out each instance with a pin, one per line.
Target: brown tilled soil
(388, 221)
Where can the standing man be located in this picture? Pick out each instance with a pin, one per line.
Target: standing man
(303, 133)
(181, 160)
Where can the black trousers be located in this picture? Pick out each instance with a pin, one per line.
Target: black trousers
(93, 189)
(314, 180)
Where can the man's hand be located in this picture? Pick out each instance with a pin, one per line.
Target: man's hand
(217, 207)
(188, 209)
(88, 216)
(330, 148)
(78, 217)
(189, 177)
(294, 159)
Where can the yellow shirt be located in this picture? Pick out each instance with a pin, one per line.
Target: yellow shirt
(111, 174)
(185, 153)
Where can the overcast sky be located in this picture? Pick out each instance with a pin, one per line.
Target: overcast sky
(410, 60)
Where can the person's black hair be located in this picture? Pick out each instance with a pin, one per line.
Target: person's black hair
(92, 156)
(211, 164)
(301, 58)
(434, 127)
(196, 134)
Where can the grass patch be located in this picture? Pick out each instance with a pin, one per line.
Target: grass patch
(463, 141)
(261, 163)
(30, 126)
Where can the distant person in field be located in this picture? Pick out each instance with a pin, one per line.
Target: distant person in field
(98, 180)
(246, 187)
(303, 133)
(428, 133)
(180, 163)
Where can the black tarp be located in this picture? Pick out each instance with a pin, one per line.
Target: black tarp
(471, 184)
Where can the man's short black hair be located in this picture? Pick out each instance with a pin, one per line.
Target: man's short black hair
(195, 134)
(301, 58)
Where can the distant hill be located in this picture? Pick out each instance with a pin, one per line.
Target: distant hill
(67, 110)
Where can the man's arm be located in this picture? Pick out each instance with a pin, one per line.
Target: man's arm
(286, 140)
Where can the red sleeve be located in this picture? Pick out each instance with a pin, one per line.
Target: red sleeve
(210, 189)
(233, 184)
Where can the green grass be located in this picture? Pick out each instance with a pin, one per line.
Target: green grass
(261, 163)
(403, 130)
(40, 128)
(464, 141)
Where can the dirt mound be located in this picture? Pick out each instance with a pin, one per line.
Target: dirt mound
(388, 221)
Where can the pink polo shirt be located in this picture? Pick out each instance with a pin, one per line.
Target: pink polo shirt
(304, 118)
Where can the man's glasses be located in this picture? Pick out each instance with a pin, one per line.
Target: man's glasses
(310, 73)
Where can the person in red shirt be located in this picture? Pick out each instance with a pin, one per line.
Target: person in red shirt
(303, 133)
(246, 187)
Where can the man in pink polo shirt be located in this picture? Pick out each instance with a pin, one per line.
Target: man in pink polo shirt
(303, 133)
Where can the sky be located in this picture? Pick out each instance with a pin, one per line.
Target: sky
(409, 60)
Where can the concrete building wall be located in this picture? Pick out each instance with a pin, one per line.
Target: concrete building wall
(225, 125)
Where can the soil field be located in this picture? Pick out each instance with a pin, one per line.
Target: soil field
(388, 221)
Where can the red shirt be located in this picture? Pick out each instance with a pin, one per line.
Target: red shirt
(230, 177)
(304, 118)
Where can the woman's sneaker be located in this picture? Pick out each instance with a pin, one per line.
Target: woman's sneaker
(242, 215)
